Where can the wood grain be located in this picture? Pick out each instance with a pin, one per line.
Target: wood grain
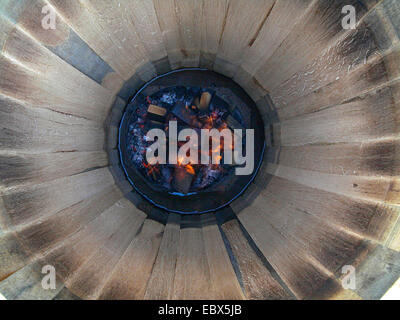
(194, 280)
(225, 283)
(258, 282)
(27, 129)
(241, 24)
(138, 259)
(27, 203)
(161, 282)
(89, 280)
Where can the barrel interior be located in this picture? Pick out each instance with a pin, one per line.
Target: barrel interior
(325, 199)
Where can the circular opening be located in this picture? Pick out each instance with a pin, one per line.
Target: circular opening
(170, 145)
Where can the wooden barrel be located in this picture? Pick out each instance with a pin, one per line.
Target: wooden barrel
(325, 201)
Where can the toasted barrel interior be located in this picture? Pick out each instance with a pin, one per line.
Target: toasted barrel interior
(324, 204)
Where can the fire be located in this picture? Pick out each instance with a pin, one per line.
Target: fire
(217, 149)
(197, 115)
(189, 169)
(179, 160)
(216, 160)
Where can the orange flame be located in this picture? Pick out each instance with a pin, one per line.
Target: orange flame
(179, 160)
(189, 169)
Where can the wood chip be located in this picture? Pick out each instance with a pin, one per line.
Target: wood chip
(156, 113)
(204, 101)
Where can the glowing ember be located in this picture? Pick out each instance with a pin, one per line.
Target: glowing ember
(190, 169)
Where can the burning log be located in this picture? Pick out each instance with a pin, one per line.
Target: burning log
(183, 112)
(183, 178)
(156, 113)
